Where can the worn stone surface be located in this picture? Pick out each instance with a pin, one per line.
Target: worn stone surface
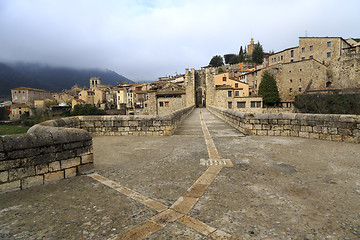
(279, 187)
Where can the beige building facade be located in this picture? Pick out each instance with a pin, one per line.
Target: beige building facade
(25, 95)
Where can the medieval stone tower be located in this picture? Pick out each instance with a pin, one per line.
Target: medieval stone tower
(200, 87)
(95, 82)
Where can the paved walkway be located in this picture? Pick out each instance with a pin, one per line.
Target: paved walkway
(207, 181)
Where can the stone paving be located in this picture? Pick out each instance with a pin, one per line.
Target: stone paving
(207, 181)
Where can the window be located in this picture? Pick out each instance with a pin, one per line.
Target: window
(282, 57)
(166, 104)
(311, 57)
(328, 54)
(224, 79)
(230, 105)
(292, 53)
(236, 85)
(278, 58)
(229, 93)
(241, 104)
(236, 93)
(299, 89)
(290, 90)
(303, 49)
(303, 58)
(291, 80)
(161, 104)
(329, 44)
(300, 69)
(255, 104)
(311, 48)
(300, 80)
(290, 71)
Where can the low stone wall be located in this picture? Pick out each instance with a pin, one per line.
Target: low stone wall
(342, 128)
(43, 156)
(62, 148)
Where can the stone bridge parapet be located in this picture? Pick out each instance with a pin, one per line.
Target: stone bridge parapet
(62, 148)
(333, 127)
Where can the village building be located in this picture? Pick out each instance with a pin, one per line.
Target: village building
(25, 95)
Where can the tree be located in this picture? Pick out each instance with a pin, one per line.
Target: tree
(86, 109)
(269, 90)
(231, 58)
(241, 55)
(258, 54)
(4, 114)
(216, 61)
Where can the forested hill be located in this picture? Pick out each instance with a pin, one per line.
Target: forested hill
(50, 78)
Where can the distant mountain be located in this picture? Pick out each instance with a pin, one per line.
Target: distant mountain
(50, 78)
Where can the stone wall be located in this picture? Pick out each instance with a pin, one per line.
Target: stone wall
(133, 125)
(44, 155)
(58, 149)
(342, 128)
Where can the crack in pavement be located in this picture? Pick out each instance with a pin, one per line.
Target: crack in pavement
(179, 210)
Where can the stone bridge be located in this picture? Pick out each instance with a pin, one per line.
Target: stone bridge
(199, 178)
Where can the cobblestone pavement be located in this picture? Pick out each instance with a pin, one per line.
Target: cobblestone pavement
(207, 181)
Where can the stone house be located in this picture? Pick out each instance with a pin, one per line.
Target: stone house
(167, 99)
(25, 95)
(88, 96)
(317, 63)
(19, 110)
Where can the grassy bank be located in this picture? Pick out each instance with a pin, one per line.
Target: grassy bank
(12, 129)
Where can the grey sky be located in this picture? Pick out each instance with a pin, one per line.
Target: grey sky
(145, 39)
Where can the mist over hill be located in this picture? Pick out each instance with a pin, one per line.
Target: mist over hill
(51, 78)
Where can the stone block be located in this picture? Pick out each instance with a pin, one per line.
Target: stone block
(73, 145)
(10, 164)
(262, 132)
(294, 133)
(304, 134)
(257, 127)
(277, 132)
(68, 163)
(70, 172)
(265, 127)
(133, 123)
(285, 133)
(333, 131)
(10, 186)
(41, 169)
(19, 173)
(86, 168)
(314, 135)
(336, 138)
(317, 129)
(4, 176)
(32, 181)
(306, 129)
(271, 133)
(324, 136)
(2, 156)
(87, 158)
(54, 166)
(344, 131)
(283, 122)
(53, 176)
(351, 139)
(1, 145)
(288, 127)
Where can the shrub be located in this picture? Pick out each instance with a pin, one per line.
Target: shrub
(328, 103)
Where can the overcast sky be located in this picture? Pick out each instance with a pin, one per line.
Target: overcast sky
(146, 39)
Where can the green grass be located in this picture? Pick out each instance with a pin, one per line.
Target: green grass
(12, 129)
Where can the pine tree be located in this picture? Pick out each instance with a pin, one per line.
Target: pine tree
(241, 55)
(269, 90)
(258, 54)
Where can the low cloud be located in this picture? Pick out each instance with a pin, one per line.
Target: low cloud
(145, 39)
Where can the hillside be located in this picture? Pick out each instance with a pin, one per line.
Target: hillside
(51, 78)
